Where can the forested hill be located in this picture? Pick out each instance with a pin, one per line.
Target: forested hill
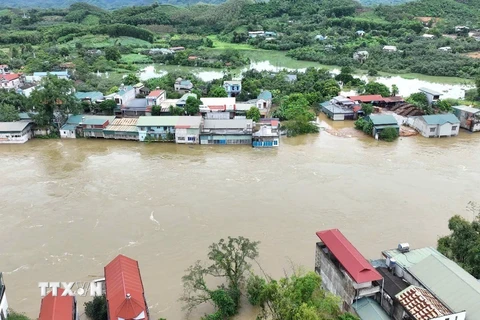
(105, 4)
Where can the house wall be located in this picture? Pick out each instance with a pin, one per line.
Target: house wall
(334, 280)
(120, 135)
(12, 84)
(225, 139)
(453, 316)
(187, 136)
(17, 137)
(155, 132)
(472, 124)
(445, 130)
(67, 134)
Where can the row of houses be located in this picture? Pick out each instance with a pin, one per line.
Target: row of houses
(178, 129)
(122, 285)
(419, 284)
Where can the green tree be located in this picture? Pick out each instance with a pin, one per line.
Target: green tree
(131, 79)
(463, 244)
(329, 88)
(112, 53)
(229, 261)
(156, 110)
(253, 113)
(388, 134)
(419, 100)
(296, 297)
(54, 102)
(394, 90)
(176, 111)
(192, 105)
(113, 89)
(12, 315)
(477, 84)
(377, 88)
(97, 308)
(8, 113)
(218, 92)
(367, 108)
(108, 106)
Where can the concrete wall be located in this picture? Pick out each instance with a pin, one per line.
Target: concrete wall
(16, 137)
(187, 136)
(445, 130)
(67, 134)
(334, 280)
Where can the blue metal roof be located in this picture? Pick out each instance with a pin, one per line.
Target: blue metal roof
(69, 127)
(369, 309)
(74, 119)
(94, 95)
(440, 119)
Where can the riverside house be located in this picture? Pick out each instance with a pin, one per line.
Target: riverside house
(93, 126)
(58, 307)
(233, 87)
(344, 271)
(187, 130)
(70, 128)
(124, 290)
(266, 134)
(437, 125)
(157, 128)
(341, 108)
(16, 132)
(231, 131)
(469, 117)
(122, 129)
(381, 122)
(432, 95)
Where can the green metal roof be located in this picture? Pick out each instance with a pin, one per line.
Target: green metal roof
(75, 119)
(369, 309)
(412, 257)
(440, 119)
(69, 127)
(97, 120)
(94, 95)
(449, 282)
(384, 119)
(157, 121)
(265, 95)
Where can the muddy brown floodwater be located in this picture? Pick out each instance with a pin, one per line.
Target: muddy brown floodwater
(68, 207)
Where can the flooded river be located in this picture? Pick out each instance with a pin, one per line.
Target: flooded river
(68, 207)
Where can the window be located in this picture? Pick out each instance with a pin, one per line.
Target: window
(454, 128)
(191, 138)
(275, 143)
(433, 129)
(182, 138)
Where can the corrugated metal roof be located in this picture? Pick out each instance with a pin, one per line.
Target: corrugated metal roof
(69, 127)
(189, 122)
(97, 120)
(155, 93)
(157, 121)
(449, 282)
(265, 95)
(430, 91)
(94, 95)
(350, 258)
(56, 308)
(228, 124)
(412, 257)
(75, 119)
(369, 309)
(123, 125)
(421, 304)
(16, 126)
(122, 277)
(384, 119)
(467, 109)
(440, 119)
(367, 98)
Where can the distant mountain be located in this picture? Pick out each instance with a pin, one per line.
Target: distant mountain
(105, 4)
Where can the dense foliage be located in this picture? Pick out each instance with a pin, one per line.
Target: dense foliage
(463, 244)
(97, 308)
(299, 296)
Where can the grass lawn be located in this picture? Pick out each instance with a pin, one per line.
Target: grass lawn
(102, 41)
(220, 45)
(135, 58)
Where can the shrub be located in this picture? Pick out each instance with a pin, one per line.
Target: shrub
(388, 134)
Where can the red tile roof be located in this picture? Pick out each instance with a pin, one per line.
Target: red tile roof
(9, 76)
(349, 257)
(56, 308)
(367, 98)
(421, 304)
(155, 93)
(394, 99)
(122, 277)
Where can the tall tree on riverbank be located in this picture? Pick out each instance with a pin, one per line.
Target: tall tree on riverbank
(218, 92)
(55, 101)
(230, 260)
(463, 244)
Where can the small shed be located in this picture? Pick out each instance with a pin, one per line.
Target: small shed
(469, 117)
(381, 122)
(432, 95)
(390, 48)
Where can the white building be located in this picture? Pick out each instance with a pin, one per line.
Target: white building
(38, 76)
(428, 36)
(187, 130)
(390, 48)
(10, 81)
(123, 96)
(432, 95)
(437, 125)
(3, 299)
(268, 135)
(446, 49)
(156, 97)
(15, 132)
(217, 104)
